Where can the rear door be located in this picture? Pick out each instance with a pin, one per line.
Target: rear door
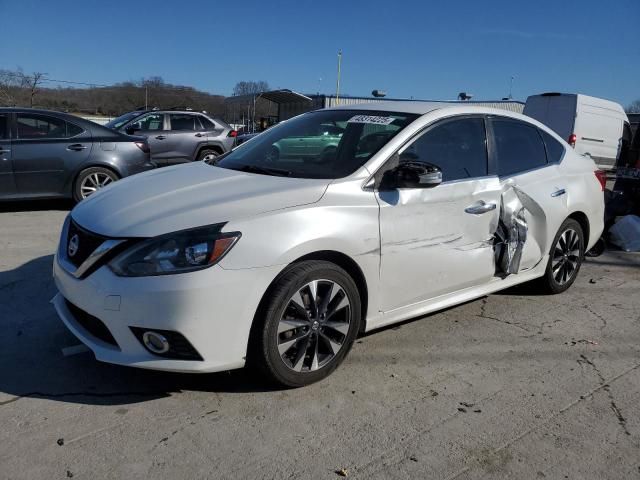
(45, 152)
(520, 158)
(7, 184)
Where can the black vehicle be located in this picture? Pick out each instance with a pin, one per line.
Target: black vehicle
(45, 154)
(178, 135)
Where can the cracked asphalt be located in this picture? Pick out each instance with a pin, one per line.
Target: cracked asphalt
(514, 385)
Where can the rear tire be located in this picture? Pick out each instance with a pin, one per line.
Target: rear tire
(565, 258)
(300, 338)
(91, 180)
(208, 154)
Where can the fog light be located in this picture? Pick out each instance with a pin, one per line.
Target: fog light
(155, 342)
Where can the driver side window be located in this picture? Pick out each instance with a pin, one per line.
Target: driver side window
(458, 147)
(153, 121)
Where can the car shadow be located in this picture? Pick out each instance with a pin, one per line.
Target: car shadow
(36, 205)
(33, 364)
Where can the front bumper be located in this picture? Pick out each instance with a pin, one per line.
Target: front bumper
(212, 308)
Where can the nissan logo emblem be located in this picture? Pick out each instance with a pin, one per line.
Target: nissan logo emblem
(74, 244)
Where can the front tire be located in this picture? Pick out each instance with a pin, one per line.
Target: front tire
(90, 180)
(307, 325)
(565, 258)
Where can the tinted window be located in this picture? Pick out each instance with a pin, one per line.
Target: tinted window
(41, 126)
(183, 122)
(458, 147)
(555, 150)
(3, 126)
(153, 121)
(519, 147)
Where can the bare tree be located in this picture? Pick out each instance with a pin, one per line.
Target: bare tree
(9, 87)
(250, 87)
(634, 107)
(30, 83)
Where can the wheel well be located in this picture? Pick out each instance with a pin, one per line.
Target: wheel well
(85, 167)
(215, 148)
(343, 261)
(582, 219)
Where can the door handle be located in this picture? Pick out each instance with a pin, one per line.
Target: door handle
(76, 147)
(161, 137)
(480, 208)
(201, 134)
(558, 193)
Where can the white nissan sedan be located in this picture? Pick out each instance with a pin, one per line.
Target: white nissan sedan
(336, 222)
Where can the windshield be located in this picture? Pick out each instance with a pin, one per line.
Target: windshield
(322, 144)
(116, 123)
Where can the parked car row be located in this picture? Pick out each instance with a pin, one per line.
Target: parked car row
(47, 154)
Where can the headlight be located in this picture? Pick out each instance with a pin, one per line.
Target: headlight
(178, 252)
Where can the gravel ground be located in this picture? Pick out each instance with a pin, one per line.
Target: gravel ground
(513, 385)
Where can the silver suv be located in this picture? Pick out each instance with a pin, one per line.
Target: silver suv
(178, 136)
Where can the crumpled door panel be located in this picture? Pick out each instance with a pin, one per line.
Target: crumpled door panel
(520, 232)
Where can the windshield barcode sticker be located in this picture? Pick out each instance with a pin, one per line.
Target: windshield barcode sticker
(371, 119)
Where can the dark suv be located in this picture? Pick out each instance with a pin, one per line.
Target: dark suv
(178, 136)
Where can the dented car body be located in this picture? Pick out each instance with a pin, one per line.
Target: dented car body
(422, 206)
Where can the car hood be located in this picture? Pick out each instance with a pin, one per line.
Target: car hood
(186, 196)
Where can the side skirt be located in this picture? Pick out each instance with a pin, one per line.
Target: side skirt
(450, 299)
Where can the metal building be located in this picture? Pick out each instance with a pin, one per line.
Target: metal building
(288, 104)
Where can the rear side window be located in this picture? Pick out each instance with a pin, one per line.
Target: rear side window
(31, 126)
(183, 122)
(519, 147)
(555, 150)
(458, 147)
(206, 123)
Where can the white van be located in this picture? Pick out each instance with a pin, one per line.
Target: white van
(593, 126)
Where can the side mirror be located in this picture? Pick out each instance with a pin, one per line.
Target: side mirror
(413, 174)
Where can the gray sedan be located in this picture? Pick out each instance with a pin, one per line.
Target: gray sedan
(45, 154)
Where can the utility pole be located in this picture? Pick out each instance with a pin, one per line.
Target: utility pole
(146, 97)
(338, 80)
(511, 88)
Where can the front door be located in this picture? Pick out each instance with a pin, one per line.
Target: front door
(152, 126)
(183, 137)
(439, 240)
(7, 184)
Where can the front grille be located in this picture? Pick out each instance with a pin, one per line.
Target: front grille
(91, 324)
(179, 346)
(87, 242)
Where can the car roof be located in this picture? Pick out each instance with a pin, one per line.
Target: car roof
(94, 128)
(395, 106)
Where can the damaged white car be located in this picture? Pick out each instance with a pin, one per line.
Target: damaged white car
(279, 261)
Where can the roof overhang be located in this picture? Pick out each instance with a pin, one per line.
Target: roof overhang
(275, 96)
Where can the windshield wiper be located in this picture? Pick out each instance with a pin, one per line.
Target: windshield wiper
(279, 172)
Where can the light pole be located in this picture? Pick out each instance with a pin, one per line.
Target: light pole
(511, 88)
(338, 80)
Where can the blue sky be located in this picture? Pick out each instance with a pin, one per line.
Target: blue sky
(424, 49)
